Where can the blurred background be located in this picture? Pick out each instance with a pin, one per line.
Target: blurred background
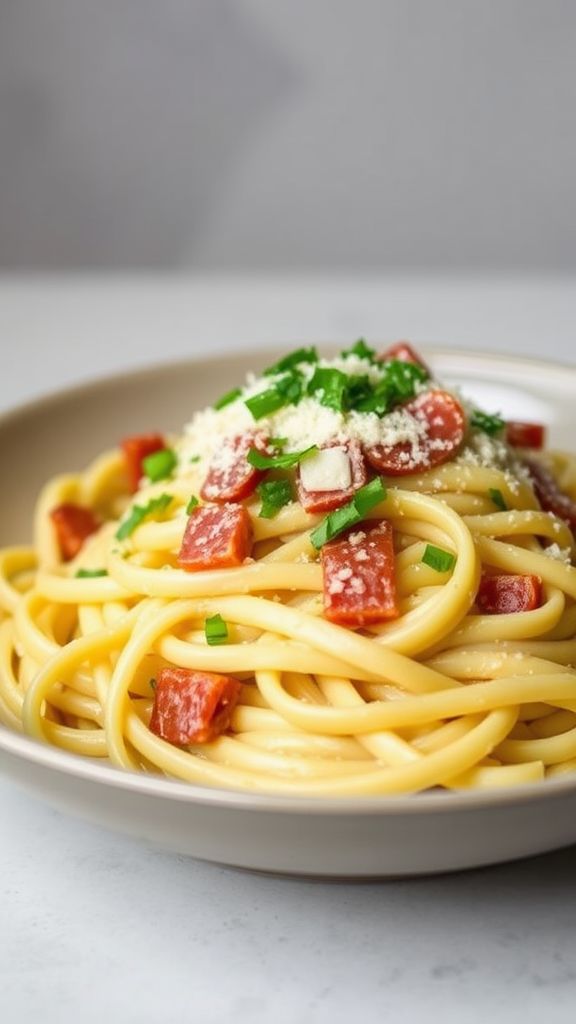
(265, 135)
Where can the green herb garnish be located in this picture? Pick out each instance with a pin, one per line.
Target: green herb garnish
(260, 461)
(301, 355)
(498, 499)
(141, 512)
(360, 349)
(215, 630)
(484, 421)
(226, 399)
(89, 574)
(194, 458)
(160, 464)
(153, 684)
(274, 495)
(265, 403)
(438, 559)
(191, 504)
(365, 499)
(329, 387)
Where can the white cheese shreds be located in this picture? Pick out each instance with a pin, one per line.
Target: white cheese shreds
(311, 423)
(328, 470)
(558, 553)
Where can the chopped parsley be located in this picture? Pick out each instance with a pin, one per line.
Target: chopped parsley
(160, 464)
(274, 495)
(498, 499)
(215, 630)
(438, 559)
(228, 398)
(301, 355)
(89, 574)
(490, 424)
(280, 461)
(194, 458)
(141, 512)
(365, 499)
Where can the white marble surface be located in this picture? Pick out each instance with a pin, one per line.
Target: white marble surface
(92, 926)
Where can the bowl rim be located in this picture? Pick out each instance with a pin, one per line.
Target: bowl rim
(99, 771)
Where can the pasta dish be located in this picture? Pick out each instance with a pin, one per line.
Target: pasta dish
(340, 579)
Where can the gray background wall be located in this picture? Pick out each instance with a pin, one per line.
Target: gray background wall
(287, 133)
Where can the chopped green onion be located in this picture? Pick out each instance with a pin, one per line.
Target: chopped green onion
(88, 574)
(260, 461)
(329, 387)
(438, 559)
(265, 403)
(498, 499)
(274, 495)
(362, 350)
(226, 399)
(141, 512)
(191, 504)
(365, 499)
(287, 390)
(291, 385)
(301, 355)
(215, 630)
(369, 496)
(194, 458)
(159, 465)
(484, 421)
(278, 442)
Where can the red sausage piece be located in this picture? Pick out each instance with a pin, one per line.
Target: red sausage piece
(360, 577)
(404, 352)
(551, 498)
(504, 594)
(136, 449)
(73, 524)
(230, 476)
(443, 424)
(216, 537)
(192, 707)
(525, 435)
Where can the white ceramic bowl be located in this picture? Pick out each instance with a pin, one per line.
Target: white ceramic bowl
(362, 838)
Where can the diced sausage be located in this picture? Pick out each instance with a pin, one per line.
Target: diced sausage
(404, 353)
(549, 494)
(442, 426)
(216, 537)
(360, 577)
(73, 524)
(230, 476)
(525, 435)
(192, 707)
(135, 450)
(505, 594)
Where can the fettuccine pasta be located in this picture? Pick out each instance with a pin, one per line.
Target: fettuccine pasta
(340, 580)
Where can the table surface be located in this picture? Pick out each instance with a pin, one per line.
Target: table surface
(93, 925)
